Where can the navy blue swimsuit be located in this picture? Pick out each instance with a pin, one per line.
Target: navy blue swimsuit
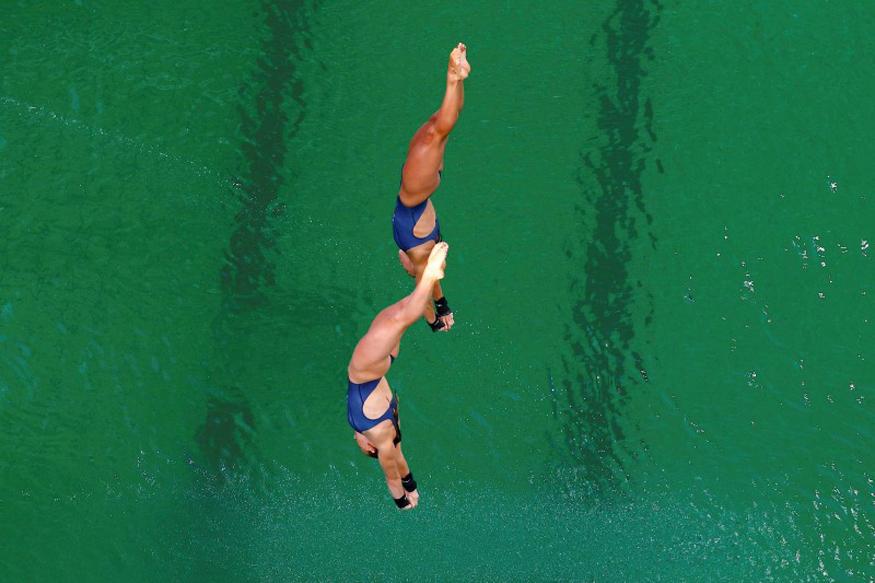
(356, 395)
(403, 221)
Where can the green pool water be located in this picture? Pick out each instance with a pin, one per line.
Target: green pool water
(660, 218)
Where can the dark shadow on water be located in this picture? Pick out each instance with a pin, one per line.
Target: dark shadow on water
(226, 434)
(271, 109)
(602, 364)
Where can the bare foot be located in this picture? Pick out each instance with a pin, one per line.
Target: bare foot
(414, 498)
(406, 263)
(434, 270)
(459, 68)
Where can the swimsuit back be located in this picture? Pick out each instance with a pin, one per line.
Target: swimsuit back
(356, 395)
(403, 221)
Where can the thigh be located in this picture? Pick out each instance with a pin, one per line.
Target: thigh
(420, 177)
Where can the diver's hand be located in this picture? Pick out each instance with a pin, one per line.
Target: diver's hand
(448, 321)
(403, 503)
(443, 312)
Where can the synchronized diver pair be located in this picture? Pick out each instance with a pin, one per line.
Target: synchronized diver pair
(372, 409)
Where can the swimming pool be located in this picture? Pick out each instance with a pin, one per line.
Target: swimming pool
(660, 218)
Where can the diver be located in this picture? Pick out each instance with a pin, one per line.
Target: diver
(372, 409)
(414, 224)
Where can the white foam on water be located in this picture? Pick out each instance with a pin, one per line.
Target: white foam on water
(116, 138)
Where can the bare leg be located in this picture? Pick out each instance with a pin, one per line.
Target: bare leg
(425, 157)
(417, 259)
(370, 360)
(370, 357)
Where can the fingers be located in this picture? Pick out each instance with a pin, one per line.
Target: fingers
(448, 321)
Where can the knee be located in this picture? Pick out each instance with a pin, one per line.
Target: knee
(434, 130)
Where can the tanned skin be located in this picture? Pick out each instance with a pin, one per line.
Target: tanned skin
(371, 360)
(420, 177)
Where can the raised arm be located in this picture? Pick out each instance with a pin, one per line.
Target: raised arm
(391, 460)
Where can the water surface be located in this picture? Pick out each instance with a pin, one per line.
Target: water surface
(660, 218)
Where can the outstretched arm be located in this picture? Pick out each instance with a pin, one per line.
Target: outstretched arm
(391, 462)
